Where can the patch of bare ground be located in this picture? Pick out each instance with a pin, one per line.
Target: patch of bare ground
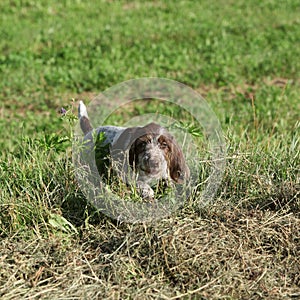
(14, 108)
(245, 88)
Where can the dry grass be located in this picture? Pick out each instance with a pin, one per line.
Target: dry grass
(210, 254)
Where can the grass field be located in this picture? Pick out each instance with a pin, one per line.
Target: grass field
(243, 57)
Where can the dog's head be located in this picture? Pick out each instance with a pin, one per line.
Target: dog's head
(154, 152)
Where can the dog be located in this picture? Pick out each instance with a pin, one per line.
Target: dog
(149, 153)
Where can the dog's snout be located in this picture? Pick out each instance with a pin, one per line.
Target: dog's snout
(153, 163)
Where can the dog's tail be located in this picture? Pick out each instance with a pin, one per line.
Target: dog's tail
(83, 117)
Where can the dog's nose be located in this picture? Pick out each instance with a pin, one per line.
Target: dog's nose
(153, 163)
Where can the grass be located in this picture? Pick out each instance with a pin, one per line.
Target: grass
(242, 57)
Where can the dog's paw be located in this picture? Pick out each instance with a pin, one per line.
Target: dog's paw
(145, 191)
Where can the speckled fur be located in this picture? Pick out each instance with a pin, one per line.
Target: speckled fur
(152, 162)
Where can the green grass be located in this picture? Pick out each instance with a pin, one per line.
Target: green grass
(243, 57)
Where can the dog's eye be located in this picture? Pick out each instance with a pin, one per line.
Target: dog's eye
(180, 175)
(142, 144)
(163, 145)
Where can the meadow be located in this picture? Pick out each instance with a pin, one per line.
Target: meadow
(242, 57)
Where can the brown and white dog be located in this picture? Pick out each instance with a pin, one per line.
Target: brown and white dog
(153, 154)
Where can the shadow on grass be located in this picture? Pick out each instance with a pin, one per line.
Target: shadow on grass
(77, 210)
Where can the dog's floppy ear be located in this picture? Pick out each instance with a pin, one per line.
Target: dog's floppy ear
(178, 168)
(132, 154)
(119, 152)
